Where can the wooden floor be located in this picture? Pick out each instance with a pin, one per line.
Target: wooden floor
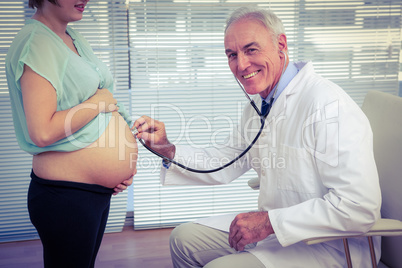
(143, 249)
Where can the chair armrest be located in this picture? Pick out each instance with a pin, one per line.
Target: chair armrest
(254, 183)
(383, 227)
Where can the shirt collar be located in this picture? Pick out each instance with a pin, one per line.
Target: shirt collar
(287, 76)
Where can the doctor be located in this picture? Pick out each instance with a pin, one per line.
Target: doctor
(324, 180)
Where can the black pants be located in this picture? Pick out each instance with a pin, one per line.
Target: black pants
(70, 219)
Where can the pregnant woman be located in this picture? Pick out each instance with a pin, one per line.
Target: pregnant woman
(65, 115)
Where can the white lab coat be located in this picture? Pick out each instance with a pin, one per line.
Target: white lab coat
(316, 166)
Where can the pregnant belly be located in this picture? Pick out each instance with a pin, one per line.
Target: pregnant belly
(108, 161)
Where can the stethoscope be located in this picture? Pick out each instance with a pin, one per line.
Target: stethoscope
(252, 103)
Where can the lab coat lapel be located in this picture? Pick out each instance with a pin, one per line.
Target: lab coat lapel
(291, 90)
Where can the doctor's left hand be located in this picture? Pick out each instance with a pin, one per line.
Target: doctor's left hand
(249, 228)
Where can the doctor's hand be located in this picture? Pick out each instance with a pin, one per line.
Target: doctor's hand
(153, 132)
(249, 228)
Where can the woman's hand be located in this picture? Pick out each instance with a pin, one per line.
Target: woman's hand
(105, 100)
(124, 185)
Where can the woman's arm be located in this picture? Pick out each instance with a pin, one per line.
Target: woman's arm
(45, 124)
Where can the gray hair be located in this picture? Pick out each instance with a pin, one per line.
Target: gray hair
(266, 17)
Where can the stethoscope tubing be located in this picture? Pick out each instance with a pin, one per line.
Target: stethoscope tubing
(167, 159)
(262, 119)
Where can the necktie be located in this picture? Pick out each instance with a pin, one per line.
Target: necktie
(265, 107)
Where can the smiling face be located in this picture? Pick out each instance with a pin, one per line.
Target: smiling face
(58, 16)
(254, 58)
(70, 10)
(64, 12)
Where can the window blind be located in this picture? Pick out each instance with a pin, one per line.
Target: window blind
(15, 165)
(168, 61)
(179, 75)
(356, 44)
(105, 26)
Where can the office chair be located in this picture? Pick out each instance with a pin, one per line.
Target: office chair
(384, 112)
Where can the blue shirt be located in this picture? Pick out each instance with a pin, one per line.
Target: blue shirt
(287, 76)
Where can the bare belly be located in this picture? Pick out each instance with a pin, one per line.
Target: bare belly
(108, 161)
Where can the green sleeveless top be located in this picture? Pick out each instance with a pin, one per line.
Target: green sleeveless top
(75, 79)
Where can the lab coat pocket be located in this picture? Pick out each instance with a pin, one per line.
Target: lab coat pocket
(298, 174)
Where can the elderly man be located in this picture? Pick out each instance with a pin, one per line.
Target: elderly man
(327, 183)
